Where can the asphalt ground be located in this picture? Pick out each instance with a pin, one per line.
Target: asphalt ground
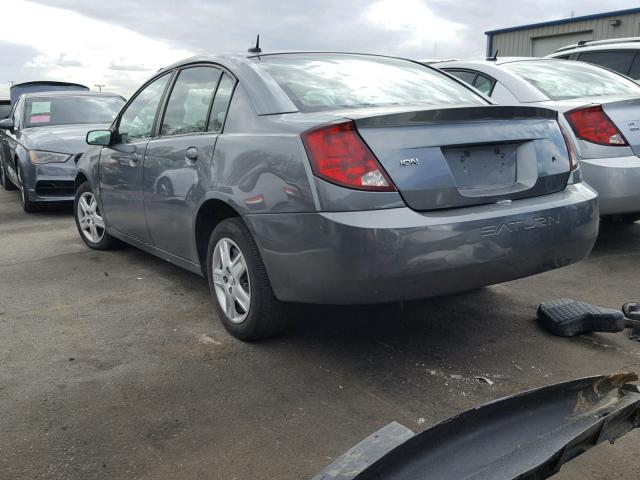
(113, 365)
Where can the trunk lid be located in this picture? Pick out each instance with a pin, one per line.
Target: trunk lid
(626, 115)
(457, 157)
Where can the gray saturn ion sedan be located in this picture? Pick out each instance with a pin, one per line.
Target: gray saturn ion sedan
(331, 178)
(599, 108)
(42, 139)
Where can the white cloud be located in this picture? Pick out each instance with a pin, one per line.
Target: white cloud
(73, 47)
(420, 26)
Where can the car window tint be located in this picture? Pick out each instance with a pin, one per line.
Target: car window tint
(137, 120)
(221, 104)
(467, 77)
(484, 84)
(615, 60)
(563, 57)
(566, 79)
(189, 101)
(332, 81)
(634, 72)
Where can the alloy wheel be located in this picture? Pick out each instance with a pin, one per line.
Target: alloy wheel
(89, 218)
(231, 280)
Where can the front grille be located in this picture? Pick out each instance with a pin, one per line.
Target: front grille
(55, 188)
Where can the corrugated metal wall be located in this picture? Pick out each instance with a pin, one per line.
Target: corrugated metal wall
(519, 43)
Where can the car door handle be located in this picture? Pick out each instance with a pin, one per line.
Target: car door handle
(191, 154)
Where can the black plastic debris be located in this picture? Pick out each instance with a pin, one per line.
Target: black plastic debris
(527, 436)
(631, 310)
(567, 317)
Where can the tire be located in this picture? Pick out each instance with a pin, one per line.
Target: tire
(88, 223)
(623, 218)
(27, 205)
(265, 315)
(4, 180)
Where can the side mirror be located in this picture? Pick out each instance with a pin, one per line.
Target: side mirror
(99, 137)
(7, 124)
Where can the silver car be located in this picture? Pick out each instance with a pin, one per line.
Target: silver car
(599, 108)
(331, 178)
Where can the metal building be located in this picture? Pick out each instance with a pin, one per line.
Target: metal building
(540, 39)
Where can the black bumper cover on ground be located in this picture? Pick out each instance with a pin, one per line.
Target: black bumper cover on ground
(528, 436)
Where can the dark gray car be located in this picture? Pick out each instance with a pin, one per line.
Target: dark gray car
(331, 178)
(43, 137)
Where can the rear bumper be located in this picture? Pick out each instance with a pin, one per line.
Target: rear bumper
(51, 182)
(399, 254)
(617, 182)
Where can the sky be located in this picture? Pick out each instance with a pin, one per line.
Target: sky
(120, 43)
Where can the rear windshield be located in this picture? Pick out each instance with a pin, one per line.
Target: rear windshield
(5, 110)
(329, 81)
(564, 80)
(63, 110)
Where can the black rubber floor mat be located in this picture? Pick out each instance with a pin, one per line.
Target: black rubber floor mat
(567, 317)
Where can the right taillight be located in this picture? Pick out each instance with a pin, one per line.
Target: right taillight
(593, 125)
(338, 154)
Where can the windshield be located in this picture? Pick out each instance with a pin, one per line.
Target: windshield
(565, 80)
(69, 110)
(328, 81)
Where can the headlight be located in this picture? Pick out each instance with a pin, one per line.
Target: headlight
(39, 157)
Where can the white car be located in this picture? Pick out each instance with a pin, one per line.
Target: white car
(598, 108)
(621, 55)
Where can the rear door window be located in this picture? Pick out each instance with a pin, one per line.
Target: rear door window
(484, 83)
(616, 60)
(221, 104)
(188, 105)
(464, 75)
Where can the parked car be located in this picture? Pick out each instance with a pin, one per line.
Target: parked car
(397, 182)
(598, 108)
(621, 55)
(5, 108)
(42, 139)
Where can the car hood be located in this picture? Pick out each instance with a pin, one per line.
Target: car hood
(61, 138)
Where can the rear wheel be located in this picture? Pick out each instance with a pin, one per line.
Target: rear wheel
(27, 205)
(239, 284)
(89, 220)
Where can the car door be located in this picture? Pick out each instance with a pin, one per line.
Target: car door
(177, 165)
(121, 171)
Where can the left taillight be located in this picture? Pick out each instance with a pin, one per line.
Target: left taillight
(594, 125)
(338, 154)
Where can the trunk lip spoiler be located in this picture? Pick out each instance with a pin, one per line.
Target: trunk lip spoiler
(604, 407)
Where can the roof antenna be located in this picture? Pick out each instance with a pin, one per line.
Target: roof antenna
(257, 48)
(494, 58)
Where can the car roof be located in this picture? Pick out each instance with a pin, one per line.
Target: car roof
(265, 94)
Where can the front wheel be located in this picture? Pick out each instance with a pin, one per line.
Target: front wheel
(89, 220)
(27, 205)
(239, 284)
(4, 180)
